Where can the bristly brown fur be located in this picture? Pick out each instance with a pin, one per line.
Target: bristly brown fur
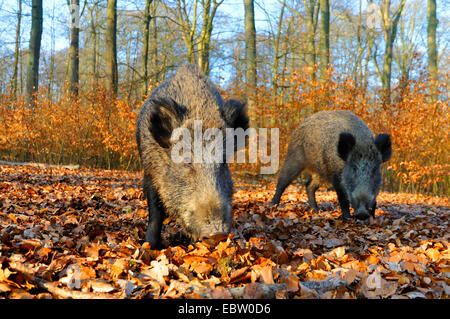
(339, 148)
(197, 195)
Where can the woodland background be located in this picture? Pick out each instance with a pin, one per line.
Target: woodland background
(71, 89)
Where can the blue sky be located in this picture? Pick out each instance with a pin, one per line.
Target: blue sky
(56, 17)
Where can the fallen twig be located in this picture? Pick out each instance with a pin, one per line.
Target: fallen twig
(54, 289)
(40, 165)
(329, 283)
(250, 291)
(69, 293)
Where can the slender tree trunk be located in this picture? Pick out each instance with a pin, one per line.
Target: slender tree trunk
(156, 68)
(324, 43)
(276, 49)
(387, 72)
(52, 66)
(93, 28)
(147, 19)
(188, 28)
(204, 46)
(360, 74)
(32, 83)
(250, 51)
(405, 55)
(111, 47)
(203, 50)
(74, 49)
(312, 10)
(432, 50)
(16, 50)
(390, 32)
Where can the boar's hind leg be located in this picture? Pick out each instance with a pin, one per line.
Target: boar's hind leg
(292, 166)
(312, 184)
(342, 198)
(156, 215)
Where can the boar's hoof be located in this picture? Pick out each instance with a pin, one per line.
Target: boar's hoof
(154, 246)
(313, 208)
(346, 216)
(275, 201)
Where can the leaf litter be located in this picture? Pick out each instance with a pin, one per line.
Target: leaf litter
(77, 234)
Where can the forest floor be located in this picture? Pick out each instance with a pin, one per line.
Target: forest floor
(77, 234)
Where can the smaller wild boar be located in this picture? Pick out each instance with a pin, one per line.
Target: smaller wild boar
(339, 148)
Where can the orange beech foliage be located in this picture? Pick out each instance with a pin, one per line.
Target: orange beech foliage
(96, 131)
(419, 129)
(92, 130)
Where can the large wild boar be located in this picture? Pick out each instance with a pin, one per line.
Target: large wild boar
(197, 194)
(339, 148)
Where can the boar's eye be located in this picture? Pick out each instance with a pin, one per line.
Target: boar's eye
(188, 163)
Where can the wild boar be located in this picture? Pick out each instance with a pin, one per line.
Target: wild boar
(196, 193)
(339, 148)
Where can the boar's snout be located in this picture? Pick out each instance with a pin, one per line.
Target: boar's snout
(211, 213)
(362, 201)
(361, 214)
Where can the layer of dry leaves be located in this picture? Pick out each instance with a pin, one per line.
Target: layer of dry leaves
(76, 234)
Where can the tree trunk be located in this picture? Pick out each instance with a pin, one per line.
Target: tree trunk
(276, 49)
(203, 49)
(156, 69)
(204, 46)
(93, 28)
(147, 19)
(432, 50)
(74, 49)
(386, 76)
(111, 47)
(188, 28)
(16, 50)
(32, 83)
(390, 32)
(324, 43)
(358, 74)
(250, 51)
(312, 10)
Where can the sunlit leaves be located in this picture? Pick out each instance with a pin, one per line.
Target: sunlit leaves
(76, 234)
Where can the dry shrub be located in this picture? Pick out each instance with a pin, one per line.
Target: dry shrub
(92, 130)
(98, 131)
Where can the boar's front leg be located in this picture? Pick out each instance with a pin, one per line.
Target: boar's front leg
(342, 198)
(372, 209)
(156, 214)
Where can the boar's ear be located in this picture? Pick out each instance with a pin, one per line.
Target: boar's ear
(345, 145)
(235, 114)
(384, 145)
(165, 116)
